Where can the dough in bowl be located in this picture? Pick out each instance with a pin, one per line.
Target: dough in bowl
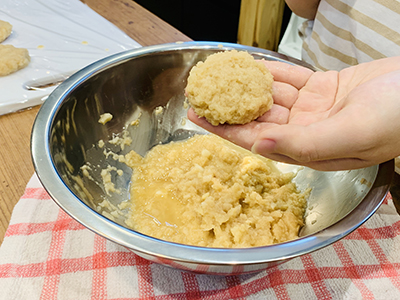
(12, 59)
(207, 192)
(230, 87)
(5, 30)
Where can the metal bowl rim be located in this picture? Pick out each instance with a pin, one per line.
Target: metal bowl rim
(135, 241)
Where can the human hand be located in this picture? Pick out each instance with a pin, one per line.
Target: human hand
(325, 120)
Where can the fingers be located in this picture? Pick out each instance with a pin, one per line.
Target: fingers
(321, 145)
(277, 114)
(340, 164)
(301, 143)
(284, 94)
(283, 72)
(242, 135)
(290, 144)
(314, 146)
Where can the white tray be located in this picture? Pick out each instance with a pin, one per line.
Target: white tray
(62, 36)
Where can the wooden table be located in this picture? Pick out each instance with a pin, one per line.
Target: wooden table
(15, 161)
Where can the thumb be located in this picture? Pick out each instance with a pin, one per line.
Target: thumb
(305, 145)
(288, 143)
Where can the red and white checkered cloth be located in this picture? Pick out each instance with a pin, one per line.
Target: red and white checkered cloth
(48, 255)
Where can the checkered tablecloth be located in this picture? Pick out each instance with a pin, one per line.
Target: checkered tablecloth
(48, 255)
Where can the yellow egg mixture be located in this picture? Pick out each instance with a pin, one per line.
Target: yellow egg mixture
(208, 192)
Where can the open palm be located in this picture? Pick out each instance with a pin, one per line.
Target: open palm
(326, 120)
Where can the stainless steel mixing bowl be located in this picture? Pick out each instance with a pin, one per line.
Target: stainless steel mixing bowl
(131, 85)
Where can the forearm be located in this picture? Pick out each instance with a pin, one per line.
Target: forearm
(304, 8)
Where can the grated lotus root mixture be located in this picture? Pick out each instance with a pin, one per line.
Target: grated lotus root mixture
(208, 192)
(230, 87)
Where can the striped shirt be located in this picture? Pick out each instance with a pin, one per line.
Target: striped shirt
(349, 32)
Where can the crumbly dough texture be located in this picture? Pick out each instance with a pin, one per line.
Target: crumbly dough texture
(208, 192)
(5, 30)
(230, 87)
(105, 118)
(12, 59)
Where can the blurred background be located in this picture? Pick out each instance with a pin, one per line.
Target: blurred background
(258, 23)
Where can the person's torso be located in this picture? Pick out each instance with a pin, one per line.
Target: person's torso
(349, 32)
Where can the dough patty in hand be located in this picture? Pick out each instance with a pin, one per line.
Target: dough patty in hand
(5, 30)
(230, 87)
(12, 59)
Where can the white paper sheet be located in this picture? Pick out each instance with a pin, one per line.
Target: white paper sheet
(62, 36)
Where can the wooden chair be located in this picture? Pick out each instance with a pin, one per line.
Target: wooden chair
(260, 23)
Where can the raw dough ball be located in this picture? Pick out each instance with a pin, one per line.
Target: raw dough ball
(12, 59)
(230, 87)
(5, 30)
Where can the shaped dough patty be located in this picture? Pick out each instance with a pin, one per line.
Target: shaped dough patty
(12, 59)
(230, 87)
(5, 30)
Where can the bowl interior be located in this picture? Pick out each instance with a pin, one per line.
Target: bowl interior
(132, 89)
(132, 86)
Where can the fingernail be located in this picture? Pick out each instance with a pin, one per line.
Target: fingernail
(263, 146)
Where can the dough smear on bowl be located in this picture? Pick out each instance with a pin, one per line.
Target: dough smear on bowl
(5, 30)
(230, 87)
(208, 192)
(12, 59)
